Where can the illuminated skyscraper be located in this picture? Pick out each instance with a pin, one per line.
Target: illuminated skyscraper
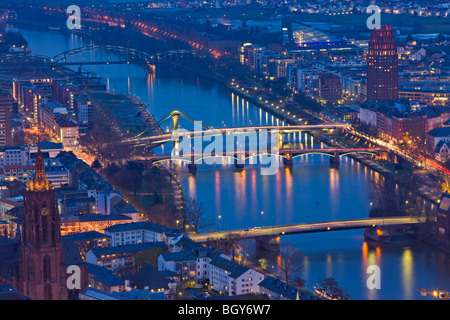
(382, 65)
(6, 103)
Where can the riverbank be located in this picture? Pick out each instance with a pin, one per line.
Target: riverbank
(128, 114)
(130, 117)
(297, 118)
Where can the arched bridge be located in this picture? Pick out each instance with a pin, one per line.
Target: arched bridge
(241, 156)
(98, 54)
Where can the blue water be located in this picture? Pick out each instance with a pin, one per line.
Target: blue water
(309, 192)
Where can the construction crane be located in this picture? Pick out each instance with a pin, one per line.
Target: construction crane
(435, 293)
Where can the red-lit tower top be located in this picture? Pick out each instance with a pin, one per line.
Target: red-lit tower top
(382, 65)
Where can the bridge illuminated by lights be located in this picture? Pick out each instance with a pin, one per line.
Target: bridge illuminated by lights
(97, 55)
(272, 233)
(157, 140)
(287, 154)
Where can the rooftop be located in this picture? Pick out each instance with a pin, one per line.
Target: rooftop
(235, 270)
(149, 276)
(129, 248)
(280, 287)
(440, 132)
(178, 256)
(92, 217)
(147, 225)
(85, 236)
(110, 279)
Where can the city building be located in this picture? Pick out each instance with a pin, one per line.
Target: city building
(64, 92)
(67, 130)
(14, 156)
(182, 263)
(43, 255)
(30, 93)
(84, 111)
(394, 119)
(120, 257)
(203, 256)
(73, 202)
(438, 143)
(137, 232)
(429, 93)
(330, 88)
(382, 65)
(6, 104)
(89, 222)
(86, 241)
(150, 278)
(229, 278)
(124, 208)
(8, 204)
(49, 149)
(276, 289)
(443, 219)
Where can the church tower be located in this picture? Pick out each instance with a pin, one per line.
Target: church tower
(42, 274)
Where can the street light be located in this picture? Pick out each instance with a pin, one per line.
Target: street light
(219, 221)
(262, 212)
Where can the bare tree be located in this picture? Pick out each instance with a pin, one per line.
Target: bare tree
(290, 260)
(232, 242)
(385, 202)
(196, 215)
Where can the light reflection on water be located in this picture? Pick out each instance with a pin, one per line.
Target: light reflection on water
(311, 191)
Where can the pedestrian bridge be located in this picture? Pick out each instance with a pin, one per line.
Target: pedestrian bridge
(141, 140)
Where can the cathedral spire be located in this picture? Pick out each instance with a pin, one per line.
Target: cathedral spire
(40, 181)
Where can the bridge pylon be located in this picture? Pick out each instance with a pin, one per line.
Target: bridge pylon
(268, 243)
(288, 161)
(192, 167)
(335, 160)
(239, 162)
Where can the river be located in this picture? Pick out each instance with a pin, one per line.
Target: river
(311, 191)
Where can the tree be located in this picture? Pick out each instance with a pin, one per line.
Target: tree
(299, 282)
(96, 164)
(244, 250)
(231, 242)
(332, 287)
(112, 169)
(162, 213)
(196, 215)
(15, 39)
(290, 261)
(385, 202)
(135, 171)
(149, 256)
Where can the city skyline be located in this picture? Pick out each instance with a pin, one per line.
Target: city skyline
(224, 151)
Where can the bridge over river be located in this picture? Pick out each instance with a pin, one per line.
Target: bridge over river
(270, 234)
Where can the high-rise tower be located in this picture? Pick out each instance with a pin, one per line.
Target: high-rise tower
(382, 65)
(42, 273)
(6, 104)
